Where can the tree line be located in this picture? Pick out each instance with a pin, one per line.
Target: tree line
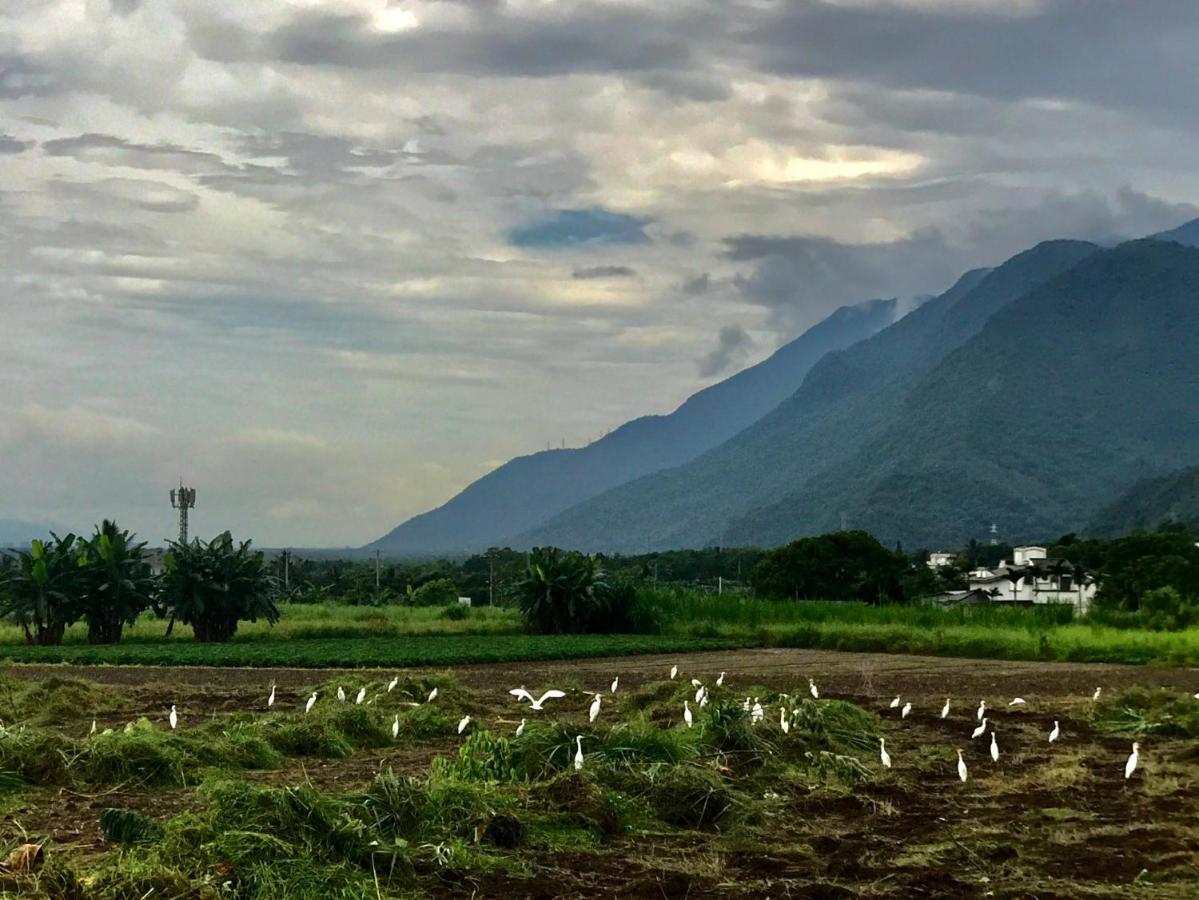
(107, 581)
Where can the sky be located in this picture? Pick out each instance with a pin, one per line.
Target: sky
(329, 261)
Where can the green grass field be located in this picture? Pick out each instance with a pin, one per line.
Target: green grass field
(430, 650)
(984, 632)
(335, 635)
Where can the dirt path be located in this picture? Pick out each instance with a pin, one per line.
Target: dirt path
(859, 674)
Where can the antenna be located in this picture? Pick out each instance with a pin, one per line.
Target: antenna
(183, 499)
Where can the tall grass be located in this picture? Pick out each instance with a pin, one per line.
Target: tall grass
(322, 620)
(988, 632)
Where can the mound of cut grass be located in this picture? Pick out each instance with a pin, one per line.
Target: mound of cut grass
(1144, 711)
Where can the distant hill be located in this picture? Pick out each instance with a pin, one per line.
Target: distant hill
(1150, 502)
(731, 494)
(529, 490)
(1067, 396)
(1187, 233)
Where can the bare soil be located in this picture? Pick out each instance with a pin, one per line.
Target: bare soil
(1045, 821)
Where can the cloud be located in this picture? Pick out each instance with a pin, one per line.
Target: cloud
(598, 272)
(10, 145)
(323, 222)
(572, 227)
(732, 346)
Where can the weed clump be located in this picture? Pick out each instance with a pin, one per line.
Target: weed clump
(1142, 711)
(36, 755)
(139, 753)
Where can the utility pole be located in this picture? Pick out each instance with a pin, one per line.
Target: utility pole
(183, 499)
(287, 571)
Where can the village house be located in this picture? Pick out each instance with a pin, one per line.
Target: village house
(1032, 577)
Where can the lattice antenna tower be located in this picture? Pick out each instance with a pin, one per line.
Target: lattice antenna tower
(183, 499)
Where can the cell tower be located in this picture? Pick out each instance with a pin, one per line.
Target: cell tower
(183, 499)
(994, 530)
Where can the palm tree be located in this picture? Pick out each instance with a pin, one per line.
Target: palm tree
(42, 588)
(118, 584)
(560, 591)
(214, 586)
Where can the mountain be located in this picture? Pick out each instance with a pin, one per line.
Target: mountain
(15, 533)
(846, 399)
(1186, 233)
(1151, 502)
(1067, 396)
(528, 490)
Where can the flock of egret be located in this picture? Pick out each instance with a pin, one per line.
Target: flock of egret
(752, 706)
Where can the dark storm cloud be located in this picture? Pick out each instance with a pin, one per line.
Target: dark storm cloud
(796, 277)
(596, 272)
(1109, 52)
(9, 145)
(572, 227)
(732, 346)
(697, 285)
(503, 43)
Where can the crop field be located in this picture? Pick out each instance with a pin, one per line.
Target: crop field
(389, 798)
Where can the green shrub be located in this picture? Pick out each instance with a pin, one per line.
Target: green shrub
(38, 756)
(438, 592)
(1142, 711)
(139, 753)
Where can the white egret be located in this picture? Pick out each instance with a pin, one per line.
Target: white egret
(341, 694)
(395, 727)
(520, 729)
(462, 723)
(703, 701)
(432, 695)
(1196, 696)
(538, 702)
(93, 731)
(745, 705)
(361, 696)
(982, 726)
(391, 685)
(945, 709)
(615, 684)
(674, 670)
(270, 700)
(994, 746)
(311, 703)
(1056, 733)
(1095, 696)
(173, 718)
(720, 682)
(699, 693)
(982, 709)
(812, 689)
(1018, 701)
(1133, 759)
(883, 754)
(783, 723)
(757, 714)
(962, 773)
(687, 713)
(895, 703)
(579, 752)
(593, 713)
(907, 708)
(695, 682)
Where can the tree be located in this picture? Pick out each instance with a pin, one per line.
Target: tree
(214, 586)
(117, 584)
(561, 592)
(42, 588)
(438, 592)
(845, 565)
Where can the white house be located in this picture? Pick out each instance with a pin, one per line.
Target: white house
(1033, 578)
(939, 559)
